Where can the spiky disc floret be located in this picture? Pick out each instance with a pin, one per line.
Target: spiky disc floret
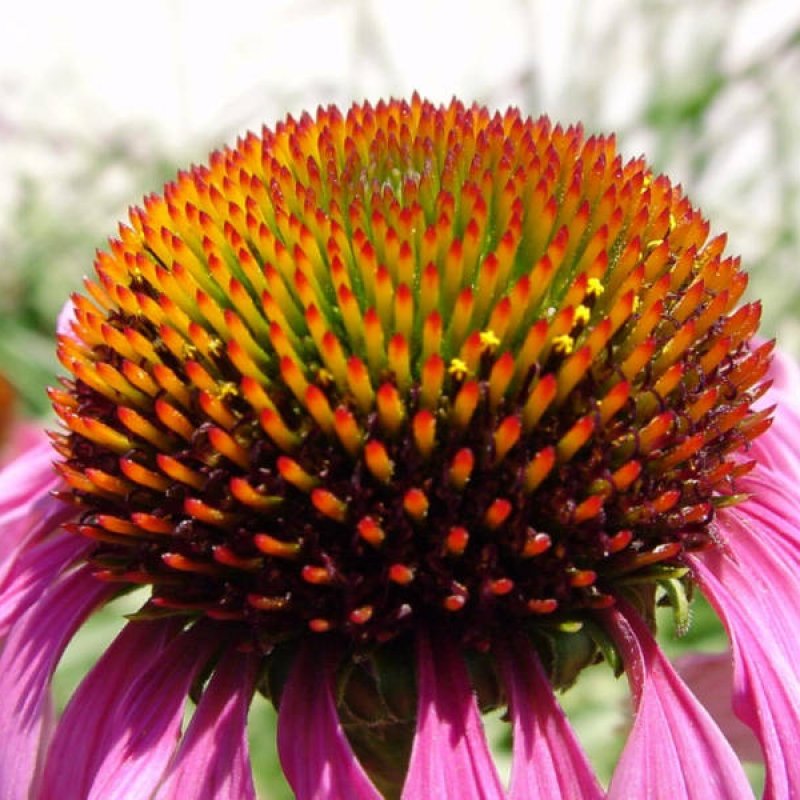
(410, 362)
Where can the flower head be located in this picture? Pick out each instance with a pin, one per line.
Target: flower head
(377, 396)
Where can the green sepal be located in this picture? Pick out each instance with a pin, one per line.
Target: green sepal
(606, 646)
(642, 596)
(568, 626)
(376, 703)
(569, 651)
(679, 602)
(654, 574)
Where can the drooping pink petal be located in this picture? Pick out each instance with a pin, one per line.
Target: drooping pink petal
(450, 757)
(773, 506)
(766, 684)
(784, 372)
(29, 657)
(674, 750)
(27, 477)
(709, 676)
(213, 762)
(82, 736)
(27, 511)
(316, 757)
(33, 573)
(139, 732)
(761, 557)
(753, 581)
(548, 761)
(779, 448)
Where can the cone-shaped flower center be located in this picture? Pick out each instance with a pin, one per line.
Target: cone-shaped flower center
(407, 364)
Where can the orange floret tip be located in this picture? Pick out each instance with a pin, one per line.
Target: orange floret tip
(378, 461)
(415, 503)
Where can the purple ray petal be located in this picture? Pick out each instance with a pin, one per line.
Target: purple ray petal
(27, 477)
(82, 736)
(710, 678)
(766, 685)
(213, 762)
(27, 511)
(450, 757)
(774, 507)
(65, 319)
(30, 655)
(33, 573)
(674, 751)
(761, 556)
(784, 372)
(316, 756)
(140, 730)
(549, 763)
(778, 449)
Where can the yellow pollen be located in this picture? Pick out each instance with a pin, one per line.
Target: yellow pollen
(637, 304)
(672, 223)
(582, 315)
(324, 376)
(594, 288)
(458, 368)
(489, 340)
(228, 389)
(652, 244)
(563, 344)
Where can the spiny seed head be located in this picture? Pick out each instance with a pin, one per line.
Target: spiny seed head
(406, 363)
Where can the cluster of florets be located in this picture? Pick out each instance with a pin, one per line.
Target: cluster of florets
(410, 363)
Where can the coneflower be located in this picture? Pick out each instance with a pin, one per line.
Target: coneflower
(398, 416)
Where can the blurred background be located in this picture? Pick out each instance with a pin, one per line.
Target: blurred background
(101, 102)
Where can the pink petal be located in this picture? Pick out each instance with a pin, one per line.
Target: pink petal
(27, 477)
(549, 763)
(213, 762)
(31, 653)
(316, 756)
(27, 511)
(65, 319)
(450, 757)
(674, 751)
(82, 736)
(709, 676)
(784, 372)
(778, 450)
(766, 685)
(140, 728)
(761, 559)
(753, 581)
(33, 573)
(773, 506)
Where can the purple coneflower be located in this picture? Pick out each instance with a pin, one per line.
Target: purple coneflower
(400, 416)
